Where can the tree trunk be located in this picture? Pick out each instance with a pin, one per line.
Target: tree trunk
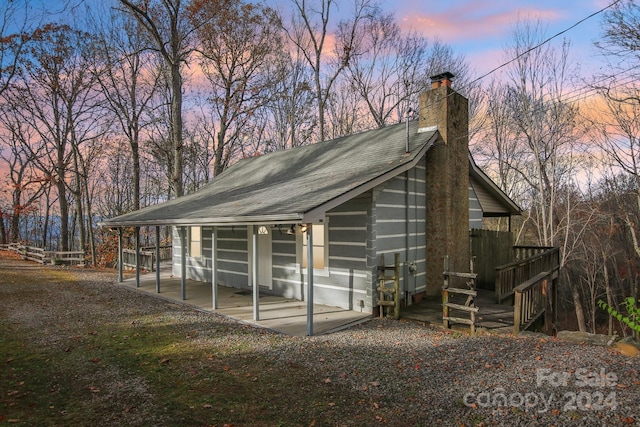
(176, 131)
(577, 302)
(3, 231)
(610, 303)
(64, 213)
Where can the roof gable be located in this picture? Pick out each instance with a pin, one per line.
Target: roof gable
(493, 201)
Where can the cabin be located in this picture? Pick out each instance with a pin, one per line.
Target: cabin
(313, 223)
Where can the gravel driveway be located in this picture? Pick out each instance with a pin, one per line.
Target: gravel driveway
(410, 374)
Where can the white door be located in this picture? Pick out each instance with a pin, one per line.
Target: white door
(264, 257)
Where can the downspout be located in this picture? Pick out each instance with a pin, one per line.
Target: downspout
(406, 237)
(183, 262)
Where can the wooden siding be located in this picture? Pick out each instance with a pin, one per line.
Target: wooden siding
(488, 202)
(400, 226)
(286, 268)
(475, 210)
(233, 266)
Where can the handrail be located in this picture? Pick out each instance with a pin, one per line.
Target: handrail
(147, 257)
(165, 251)
(522, 252)
(508, 276)
(532, 298)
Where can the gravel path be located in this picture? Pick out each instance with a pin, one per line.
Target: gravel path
(410, 374)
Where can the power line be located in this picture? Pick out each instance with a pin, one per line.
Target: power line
(544, 42)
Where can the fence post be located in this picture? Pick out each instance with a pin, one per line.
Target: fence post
(445, 294)
(517, 309)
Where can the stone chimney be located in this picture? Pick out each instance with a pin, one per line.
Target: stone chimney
(447, 177)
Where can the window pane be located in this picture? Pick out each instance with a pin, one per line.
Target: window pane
(318, 235)
(318, 247)
(195, 244)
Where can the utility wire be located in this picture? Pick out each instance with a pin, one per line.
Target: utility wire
(544, 42)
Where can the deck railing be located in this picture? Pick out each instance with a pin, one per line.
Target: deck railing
(534, 298)
(511, 275)
(147, 257)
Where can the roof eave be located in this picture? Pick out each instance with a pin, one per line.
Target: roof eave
(236, 220)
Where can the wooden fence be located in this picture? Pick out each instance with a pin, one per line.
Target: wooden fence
(490, 248)
(41, 256)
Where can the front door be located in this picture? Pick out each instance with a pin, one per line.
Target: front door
(264, 257)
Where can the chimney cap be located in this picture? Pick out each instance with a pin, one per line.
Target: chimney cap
(442, 76)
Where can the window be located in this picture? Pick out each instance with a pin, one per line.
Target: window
(318, 247)
(195, 242)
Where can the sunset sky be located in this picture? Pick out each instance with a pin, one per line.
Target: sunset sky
(479, 29)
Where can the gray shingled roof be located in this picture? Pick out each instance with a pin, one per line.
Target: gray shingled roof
(296, 185)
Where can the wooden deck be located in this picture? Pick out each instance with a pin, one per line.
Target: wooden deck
(284, 315)
(496, 318)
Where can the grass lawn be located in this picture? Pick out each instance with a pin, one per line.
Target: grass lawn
(79, 354)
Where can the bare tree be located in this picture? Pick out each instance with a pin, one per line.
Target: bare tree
(25, 181)
(390, 68)
(238, 42)
(14, 19)
(129, 80)
(55, 97)
(289, 116)
(310, 31)
(166, 24)
(532, 131)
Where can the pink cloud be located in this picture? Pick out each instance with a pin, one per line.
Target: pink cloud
(471, 20)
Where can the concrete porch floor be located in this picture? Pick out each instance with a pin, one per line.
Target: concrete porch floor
(284, 315)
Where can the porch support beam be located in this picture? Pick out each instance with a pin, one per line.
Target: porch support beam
(254, 275)
(214, 271)
(183, 263)
(157, 259)
(137, 232)
(120, 260)
(309, 280)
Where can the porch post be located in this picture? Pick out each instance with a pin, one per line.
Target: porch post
(157, 258)
(120, 260)
(214, 271)
(309, 280)
(137, 257)
(183, 262)
(254, 271)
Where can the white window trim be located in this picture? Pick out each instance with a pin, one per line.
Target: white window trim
(300, 245)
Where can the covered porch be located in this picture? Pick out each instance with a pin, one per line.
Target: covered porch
(283, 315)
